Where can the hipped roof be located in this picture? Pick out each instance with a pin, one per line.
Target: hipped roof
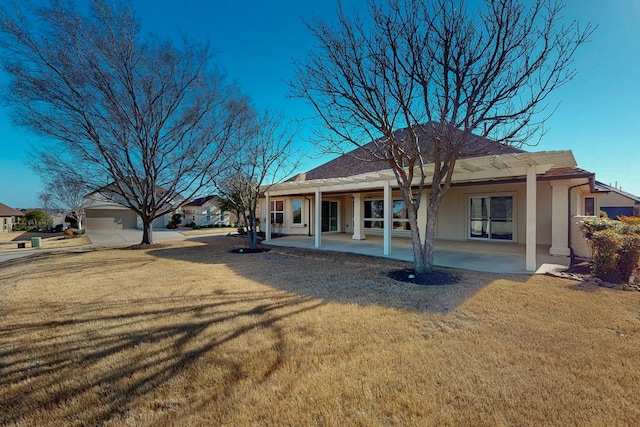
(361, 160)
(9, 211)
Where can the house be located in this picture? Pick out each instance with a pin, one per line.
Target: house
(499, 194)
(205, 211)
(8, 217)
(616, 202)
(104, 212)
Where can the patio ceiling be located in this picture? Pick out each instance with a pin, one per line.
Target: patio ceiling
(475, 169)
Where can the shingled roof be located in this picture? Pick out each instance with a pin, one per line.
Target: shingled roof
(8, 211)
(361, 161)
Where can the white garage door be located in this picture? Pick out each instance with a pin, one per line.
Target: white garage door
(110, 219)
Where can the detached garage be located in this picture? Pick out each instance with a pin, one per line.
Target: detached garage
(110, 219)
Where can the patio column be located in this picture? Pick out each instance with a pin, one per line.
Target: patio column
(318, 218)
(388, 221)
(559, 219)
(267, 231)
(531, 243)
(358, 217)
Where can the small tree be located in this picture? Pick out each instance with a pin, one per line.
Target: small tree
(264, 153)
(444, 72)
(65, 192)
(38, 219)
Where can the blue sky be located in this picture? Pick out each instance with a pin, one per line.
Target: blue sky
(598, 117)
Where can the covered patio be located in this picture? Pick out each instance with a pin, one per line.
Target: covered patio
(507, 258)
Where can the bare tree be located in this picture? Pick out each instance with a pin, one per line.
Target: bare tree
(65, 192)
(264, 154)
(139, 120)
(444, 72)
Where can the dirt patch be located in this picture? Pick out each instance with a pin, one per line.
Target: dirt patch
(249, 250)
(140, 246)
(435, 277)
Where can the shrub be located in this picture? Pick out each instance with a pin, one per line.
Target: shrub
(78, 232)
(606, 245)
(615, 246)
(630, 220)
(629, 255)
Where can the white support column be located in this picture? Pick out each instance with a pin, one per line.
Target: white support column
(318, 218)
(267, 232)
(531, 243)
(559, 219)
(388, 220)
(358, 217)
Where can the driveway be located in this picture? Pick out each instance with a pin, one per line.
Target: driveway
(130, 236)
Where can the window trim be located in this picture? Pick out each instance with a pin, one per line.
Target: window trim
(514, 216)
(274, 212)
(584, 206)
(293, 214)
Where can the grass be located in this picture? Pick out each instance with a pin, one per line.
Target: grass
(9, 241)
(190, 334)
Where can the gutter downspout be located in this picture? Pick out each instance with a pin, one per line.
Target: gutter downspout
(308, 219)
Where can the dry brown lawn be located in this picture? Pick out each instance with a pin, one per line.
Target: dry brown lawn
(190, 334)
(9, 241)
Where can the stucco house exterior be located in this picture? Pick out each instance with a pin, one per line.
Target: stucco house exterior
(499, 194)
(8, 217)
(205, 211)
(103, 213)
(616, 202)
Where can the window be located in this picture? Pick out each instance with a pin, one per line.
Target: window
(297, 211)
(491, 218)
(374, 214)
(208, 215)
(400, 215)
(589, 206)
(222, 215)
(277, 212)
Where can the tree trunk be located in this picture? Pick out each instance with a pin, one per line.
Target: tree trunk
(430, 237)
(418, 250)
(147, 232)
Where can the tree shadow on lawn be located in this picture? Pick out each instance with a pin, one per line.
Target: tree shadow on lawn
(335, 276)
(98, 362)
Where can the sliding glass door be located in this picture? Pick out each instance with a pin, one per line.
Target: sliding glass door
(329, 216)
(491, 218)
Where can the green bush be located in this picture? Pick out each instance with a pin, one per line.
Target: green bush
(629, 255)
(78, 232)
(606, 245)
(615, 247)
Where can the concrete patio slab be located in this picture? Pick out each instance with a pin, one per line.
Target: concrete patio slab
(500, 257)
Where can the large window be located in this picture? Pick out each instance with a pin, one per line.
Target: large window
(491, 218)
(277, 212)
(374, 215)
(297, 211)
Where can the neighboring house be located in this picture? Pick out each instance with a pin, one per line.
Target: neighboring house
(102, 213)
(8, 217)
(616, 202)
(206, 211)
(499, 194)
